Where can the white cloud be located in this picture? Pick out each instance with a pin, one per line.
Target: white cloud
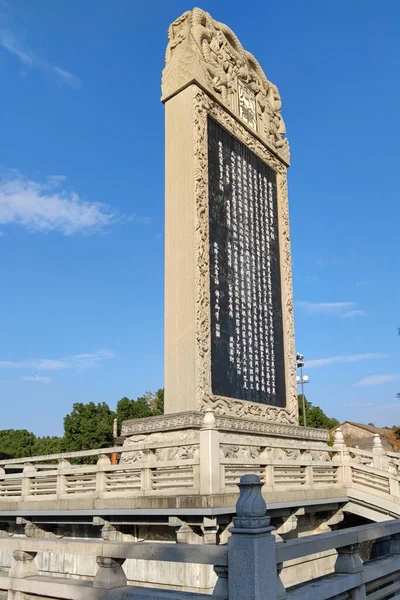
(332, 309)
(49, 207)
(353, 313)
(77, 362)
(377, 380)
(37, 378)
(349, 358)
(371, 405)
(28, 59)
(68, 77)
(326, 308)
(365, 282)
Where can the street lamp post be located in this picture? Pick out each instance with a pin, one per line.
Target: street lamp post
(302, 379)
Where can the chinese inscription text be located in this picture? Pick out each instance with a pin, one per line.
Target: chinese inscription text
(247, 355)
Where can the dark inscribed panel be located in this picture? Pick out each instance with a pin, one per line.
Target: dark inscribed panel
(247, 355)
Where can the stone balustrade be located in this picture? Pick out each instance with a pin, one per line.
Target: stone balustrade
(205, 463)
(248, 566)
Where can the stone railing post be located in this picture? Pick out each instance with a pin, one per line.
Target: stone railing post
(349, 562)
(63, 463)
(101, 475)
(344, 456)
(210, 476)
(377, 451)
(28, 472)
(252, 568)
(110, 573)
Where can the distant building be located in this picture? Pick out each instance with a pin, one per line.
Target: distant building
(358, 434)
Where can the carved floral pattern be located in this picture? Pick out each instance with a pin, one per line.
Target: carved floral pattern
(206, 51)
(241, 451)
(166, 426)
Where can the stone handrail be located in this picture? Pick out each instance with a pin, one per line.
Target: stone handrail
(205, 465)
(249, 566)
(48, 458)
(305, 546)
(187, 553)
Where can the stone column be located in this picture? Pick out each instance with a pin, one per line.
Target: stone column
(252, 568)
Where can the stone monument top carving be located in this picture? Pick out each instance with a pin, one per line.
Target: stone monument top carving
(203, 50)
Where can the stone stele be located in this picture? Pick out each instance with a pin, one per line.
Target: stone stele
(209, 75)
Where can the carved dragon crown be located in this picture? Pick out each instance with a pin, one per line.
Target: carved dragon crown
(207, 52)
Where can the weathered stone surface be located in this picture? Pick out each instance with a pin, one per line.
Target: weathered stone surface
(208, 75)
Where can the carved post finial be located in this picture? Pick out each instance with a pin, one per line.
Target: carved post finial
(251, 507)
(252, 570)
(338, 437)
(377, 442)
(115, 428)
(209, 419)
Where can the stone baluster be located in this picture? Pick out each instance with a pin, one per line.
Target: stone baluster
(63, 463)
(269, 477)
(147, 473)
(395, 544)
(103, 463)
(210, 528)
(110, 573)
(309, 475)
(349, 562)
(377, 451)
(394, 482)
(343, 455)
(221, 587)
(281, 594)
(210, 476)
(252, 570)
(2, 474)
(23, 565)
(28, 472)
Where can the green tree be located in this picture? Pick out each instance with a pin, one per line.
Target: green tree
(88, 426)
(16, 443)
(156, 402)
(315, 416)
(47, 445)
(132, 409)
(148, 405)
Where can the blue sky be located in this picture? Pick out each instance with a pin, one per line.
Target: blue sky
(81, 197)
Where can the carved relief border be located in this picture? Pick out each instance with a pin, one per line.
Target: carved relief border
(194, 420)
(203, 106)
